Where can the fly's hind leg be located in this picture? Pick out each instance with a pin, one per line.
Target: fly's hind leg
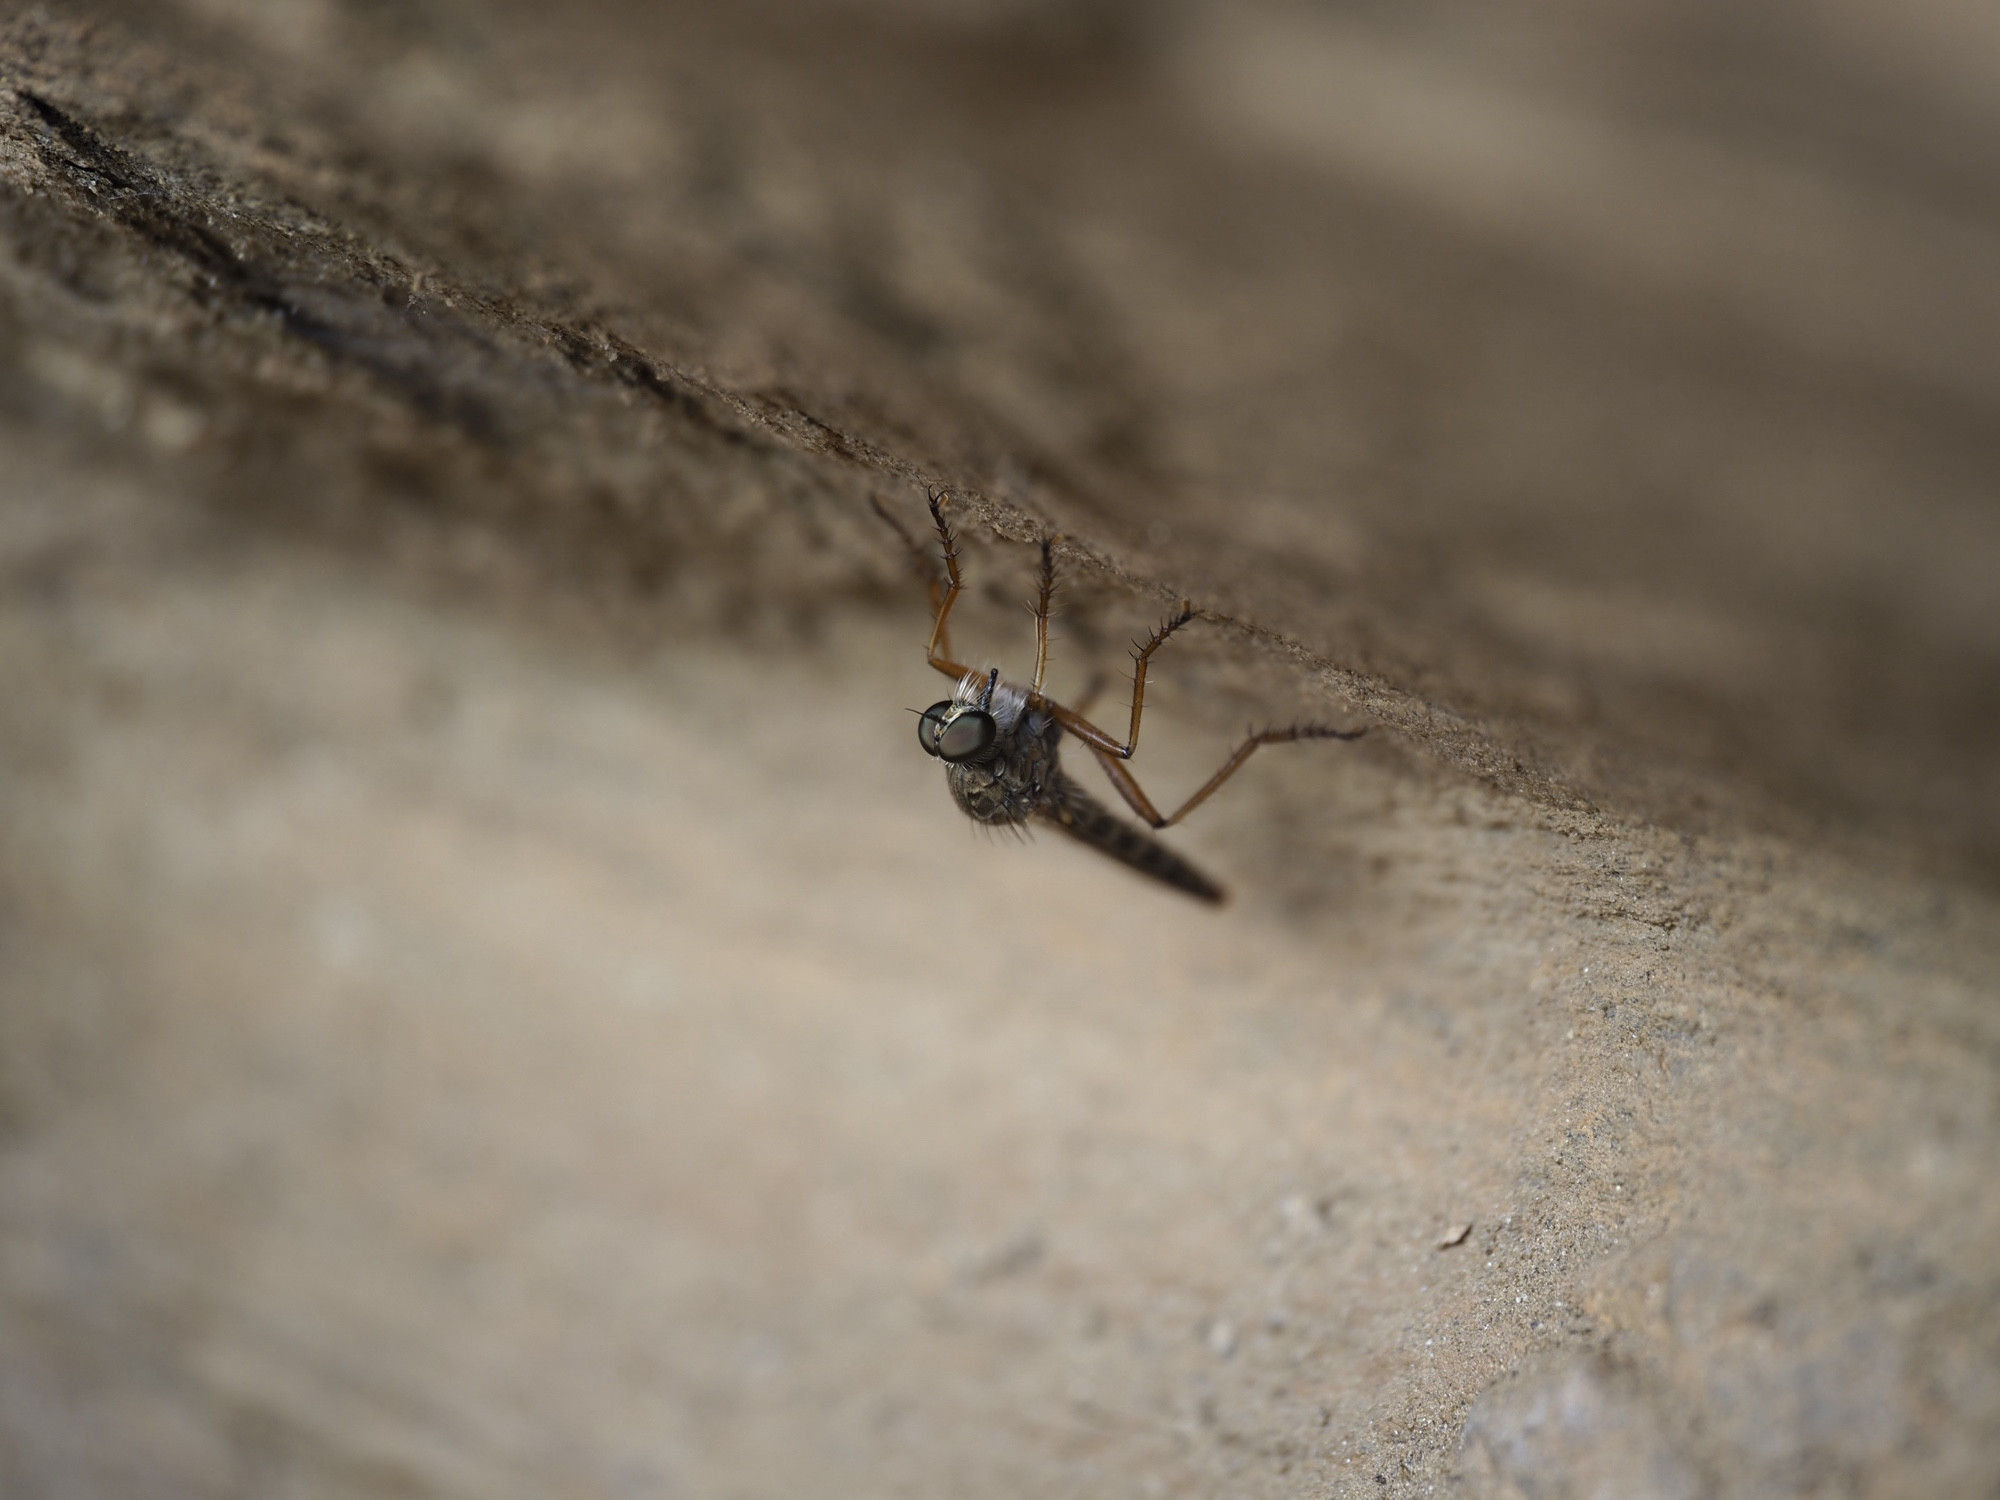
(1136, 798)
(1112, 755)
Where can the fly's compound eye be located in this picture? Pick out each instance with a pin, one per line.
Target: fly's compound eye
(931, 725)
(968, 736)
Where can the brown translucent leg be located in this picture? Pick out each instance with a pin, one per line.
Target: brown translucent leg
(1096, 738)
(1112, 755)
(1136, 798)
(1121, 776)
(944, 591)
(940, 649)
(1044, 600)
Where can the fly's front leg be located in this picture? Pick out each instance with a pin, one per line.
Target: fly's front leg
(1044, 601)
(944, 590)
(940, 647)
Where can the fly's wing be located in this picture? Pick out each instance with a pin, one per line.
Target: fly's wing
(1089, 821)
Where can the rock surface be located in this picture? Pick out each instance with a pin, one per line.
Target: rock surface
(494, 1001)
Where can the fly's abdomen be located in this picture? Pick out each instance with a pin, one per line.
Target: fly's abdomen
(1086, 820)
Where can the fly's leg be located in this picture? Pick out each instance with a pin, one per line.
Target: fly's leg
(1112, 755)
(1044, 599)
(1136, 798)
(940, 648)
(926, 565)
(1096, 738)
(944, 590)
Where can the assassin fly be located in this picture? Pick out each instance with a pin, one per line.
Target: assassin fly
(999, 742)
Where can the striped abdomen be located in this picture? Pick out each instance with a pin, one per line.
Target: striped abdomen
(1085, 819)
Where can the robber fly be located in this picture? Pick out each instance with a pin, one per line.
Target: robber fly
(999, 741)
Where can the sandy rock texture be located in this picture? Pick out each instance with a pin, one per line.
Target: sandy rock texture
(494, 1001)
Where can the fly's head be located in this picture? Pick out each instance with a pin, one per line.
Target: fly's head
(964, 730)
(998, 753)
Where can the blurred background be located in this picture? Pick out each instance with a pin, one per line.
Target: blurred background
(493, 1000)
